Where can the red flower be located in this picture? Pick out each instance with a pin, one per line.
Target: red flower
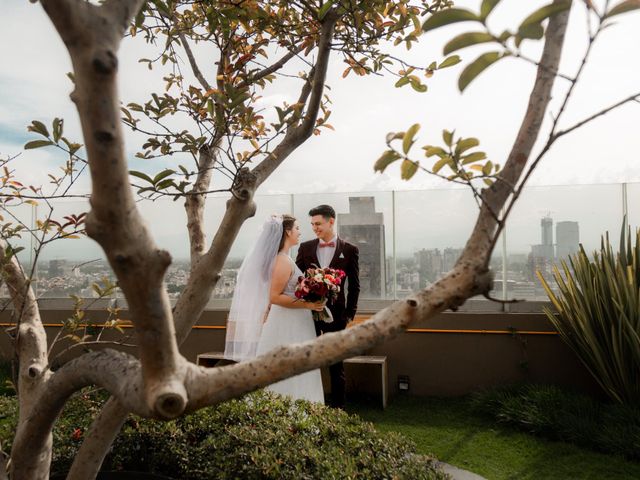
(77, 434)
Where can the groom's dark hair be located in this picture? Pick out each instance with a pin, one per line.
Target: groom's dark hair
(326, 211)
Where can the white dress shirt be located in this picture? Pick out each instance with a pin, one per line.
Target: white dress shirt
(325, 254)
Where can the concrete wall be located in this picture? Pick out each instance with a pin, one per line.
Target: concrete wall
(452, 354)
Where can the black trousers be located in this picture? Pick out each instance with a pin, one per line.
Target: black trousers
(336, 370)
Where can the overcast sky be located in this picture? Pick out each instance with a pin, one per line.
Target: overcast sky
(33, 85)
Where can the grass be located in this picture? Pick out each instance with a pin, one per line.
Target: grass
(451, 430)
(557, 414)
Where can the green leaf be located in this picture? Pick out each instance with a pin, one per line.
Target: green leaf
(447, 17)
(402, 82)
(164, 184)
(430, 151)
(163, 174)
(473, 157)
(441, 163)
(407, 140)
(418, 87)
(447, 136)
(465, 144)
(324, 9)
(450, 61)
(408, 169)
(623, 7)
(533, 32)
(487, 7)
(37, 144)
(545, 12)
(38, 127)
(466, 40)
(476, 67)
(504, 36)
(141, 175)
(140, 16)
(11, 251)
(386, 159)
(58, 124)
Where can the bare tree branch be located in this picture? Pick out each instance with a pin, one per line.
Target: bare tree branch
(194, 204)
(632, 98)
(206, 271)
(114, 221)
(271, 69)
(3, 467)
(496, 196)
(99, 438)
(31, 347)
(117, 372)
(296, 136)
(192, 61)
(205, 274)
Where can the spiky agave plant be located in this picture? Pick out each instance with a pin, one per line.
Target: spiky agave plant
(598, 313)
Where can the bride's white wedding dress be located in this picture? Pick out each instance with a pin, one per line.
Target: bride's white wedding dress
(285, 326)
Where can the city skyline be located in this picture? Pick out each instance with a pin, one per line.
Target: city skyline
(382, 277)
(423, 218)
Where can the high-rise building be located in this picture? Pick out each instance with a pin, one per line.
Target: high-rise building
(543, 254)
(430, 264)
(545, 249)
(364, 227)
(449, 258)
(567, 239)
(59, 268)
(546, 230)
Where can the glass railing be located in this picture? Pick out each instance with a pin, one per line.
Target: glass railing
(407, 239)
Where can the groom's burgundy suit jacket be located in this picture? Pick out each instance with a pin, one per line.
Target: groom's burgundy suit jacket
(345, 258)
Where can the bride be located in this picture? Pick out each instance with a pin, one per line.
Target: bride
(264, 311)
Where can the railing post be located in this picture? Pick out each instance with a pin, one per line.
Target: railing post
(504, 265)
(393, 242)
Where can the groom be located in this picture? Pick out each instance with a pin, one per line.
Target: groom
(330, 251)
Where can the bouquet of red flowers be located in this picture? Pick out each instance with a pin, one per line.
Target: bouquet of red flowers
(317, 285)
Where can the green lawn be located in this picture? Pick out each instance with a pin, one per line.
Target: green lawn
(449, 430)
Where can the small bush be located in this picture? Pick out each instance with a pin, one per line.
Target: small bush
(596, 313)
(261, 436)
(559, 415)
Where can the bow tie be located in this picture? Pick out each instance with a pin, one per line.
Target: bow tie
(328, 244)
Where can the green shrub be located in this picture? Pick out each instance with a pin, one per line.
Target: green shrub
(559, 415)
(598, 314)
(261, 436)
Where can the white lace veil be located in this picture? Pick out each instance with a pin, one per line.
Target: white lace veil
(251, 295)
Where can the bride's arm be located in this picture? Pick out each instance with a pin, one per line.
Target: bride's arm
(279, 279)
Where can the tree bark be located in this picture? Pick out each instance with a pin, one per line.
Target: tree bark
(205, 272)
(33, 371)
(92, 35)
(195, 202)
(124, 377)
